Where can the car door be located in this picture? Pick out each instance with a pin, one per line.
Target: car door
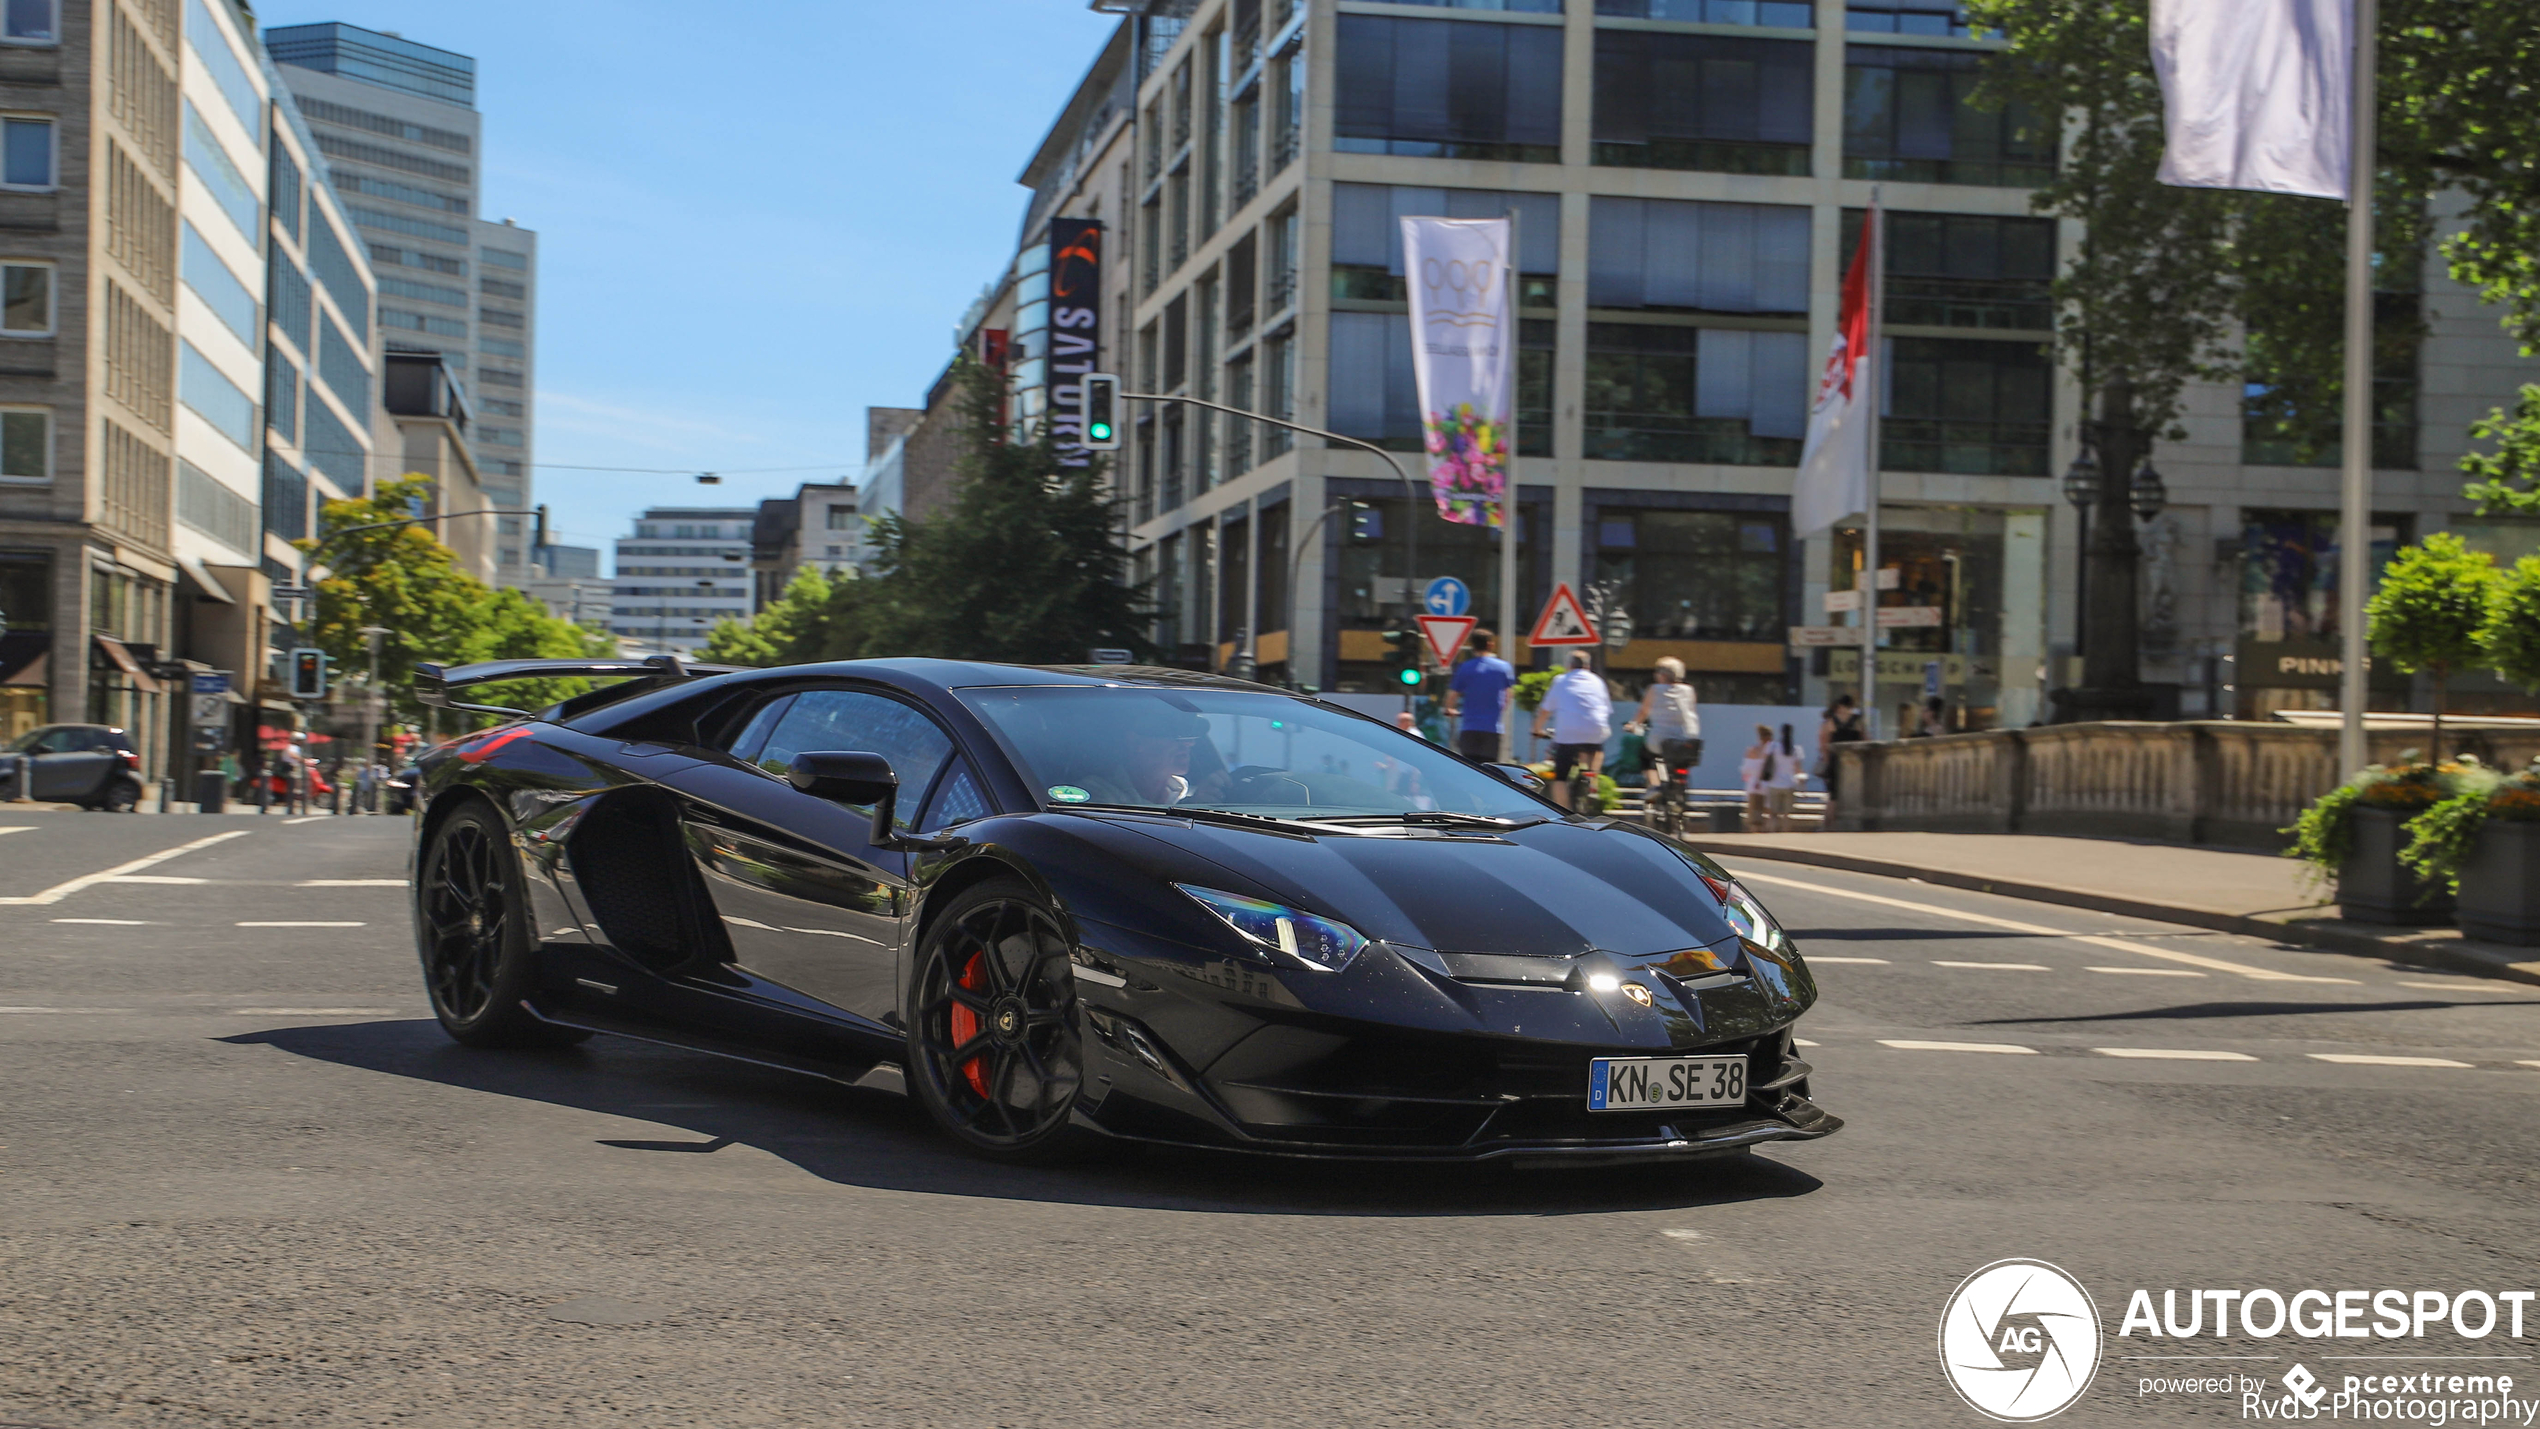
(69, 766)
(807, 899)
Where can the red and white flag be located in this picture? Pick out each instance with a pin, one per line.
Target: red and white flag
(1834, 466)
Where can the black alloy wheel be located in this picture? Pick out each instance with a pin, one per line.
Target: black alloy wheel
(995, 1050)
(121, 797)
(472, 928)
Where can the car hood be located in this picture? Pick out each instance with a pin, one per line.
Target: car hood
(1557, 889)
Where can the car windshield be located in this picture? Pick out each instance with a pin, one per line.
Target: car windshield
(1232, 751)
(26, 742)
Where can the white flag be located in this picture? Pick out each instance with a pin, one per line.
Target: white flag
(1464, 351)
(2258, 94)
(1834, 466)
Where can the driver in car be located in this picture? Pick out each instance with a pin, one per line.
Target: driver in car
(1154, 763)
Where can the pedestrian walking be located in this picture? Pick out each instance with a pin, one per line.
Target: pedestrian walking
(1750, 776)
(1841, 725)
(1785, 769)
(1581, 713)
(1477, 698)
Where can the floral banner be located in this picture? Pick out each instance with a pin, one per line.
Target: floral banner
(1464, 350)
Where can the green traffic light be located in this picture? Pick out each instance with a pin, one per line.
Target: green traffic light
(1101, 431)
(1409, 677)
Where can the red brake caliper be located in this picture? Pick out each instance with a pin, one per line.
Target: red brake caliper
(965, 1023)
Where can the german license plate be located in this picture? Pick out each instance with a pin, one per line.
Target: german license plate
(1659, 1083)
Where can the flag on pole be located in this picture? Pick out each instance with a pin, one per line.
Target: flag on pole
(2257, 94)
(1834, 466)
(1464, 351)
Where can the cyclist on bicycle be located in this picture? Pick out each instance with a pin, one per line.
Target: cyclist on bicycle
(1673, 728)
(1582, 715)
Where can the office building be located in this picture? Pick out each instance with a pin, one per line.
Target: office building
(817, 528)
(1687, 178)
(683, 569)
(398, 126)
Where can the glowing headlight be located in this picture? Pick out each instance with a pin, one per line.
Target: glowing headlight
(1745, 914)
(1319, 943)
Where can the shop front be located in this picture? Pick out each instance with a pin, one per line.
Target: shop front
(26, 641)
(1962, 600)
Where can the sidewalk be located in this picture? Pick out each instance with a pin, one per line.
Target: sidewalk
(2228, 890)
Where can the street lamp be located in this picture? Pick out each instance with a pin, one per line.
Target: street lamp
(2148, 493)
(2081, 488)
(372, 698)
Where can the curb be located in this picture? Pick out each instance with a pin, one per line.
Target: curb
(2333, 935)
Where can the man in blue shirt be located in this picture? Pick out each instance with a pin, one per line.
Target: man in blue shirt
(1477, 696)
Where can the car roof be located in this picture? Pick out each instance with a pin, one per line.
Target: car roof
(972, 674)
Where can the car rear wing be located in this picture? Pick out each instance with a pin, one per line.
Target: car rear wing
(435, 684)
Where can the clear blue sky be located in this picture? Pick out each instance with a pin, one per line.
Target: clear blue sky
(754, 220)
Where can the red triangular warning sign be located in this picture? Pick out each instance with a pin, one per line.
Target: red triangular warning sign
(1446, 635)
(1563, 622)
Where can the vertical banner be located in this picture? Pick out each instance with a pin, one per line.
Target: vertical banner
(1075, 334)
(1834, 466)
(1464, 350)
(2257, 94)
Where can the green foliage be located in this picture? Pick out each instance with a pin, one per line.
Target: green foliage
(1028, 565)
(2432, 601)
(1531, 687)
(2324, 834)
(2509, 639)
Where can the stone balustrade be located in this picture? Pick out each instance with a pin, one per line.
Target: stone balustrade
(2229, 782)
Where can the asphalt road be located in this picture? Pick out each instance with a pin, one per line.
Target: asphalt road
(245, 1181)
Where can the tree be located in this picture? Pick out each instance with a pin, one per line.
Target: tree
(781, 634)
(2433, 602)
(2510, 636)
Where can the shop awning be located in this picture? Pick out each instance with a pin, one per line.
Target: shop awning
(122, 660)
(25, 662)
(212, 589)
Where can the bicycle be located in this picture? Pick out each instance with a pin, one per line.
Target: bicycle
(1669, 805)
(1583, 795)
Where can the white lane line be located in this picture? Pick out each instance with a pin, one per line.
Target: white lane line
(109, 922)
(2003, 1047)
(76, 1011)
(1867, 962)
(2524, 991)
(2368, 1059)
(314, 1011)
(18, 829)
(2149, 972)
(2120, 944)
(1804, 1042)
(350, 883)
(152, 878)
(60, 891)
(2527, 1062)
(307, 819)
(2168, 1054)
(2013, 967)
(288, 924)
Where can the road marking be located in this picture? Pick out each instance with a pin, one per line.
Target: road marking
(1880, 962)
(2368, 1059)
(60, 891)
(2004, 1047)
(2469, 987)
(307, 819)
(2166, 1054)
(2015, 967)
(2149, 972)
(299, 925)
(1804, 1042)
(76, 1011)
(314, 1011)
(350, 883)
(2526, 1062)
(152, 878)
(2120, 944)
(18, 829)
(109, 922)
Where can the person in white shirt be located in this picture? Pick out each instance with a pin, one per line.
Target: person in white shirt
(1672, 723)
(1785, 769)
(1750, 773)
(1581, 713)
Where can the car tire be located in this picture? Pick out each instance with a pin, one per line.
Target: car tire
(996, 1045)
(121, 797)
(472, 931)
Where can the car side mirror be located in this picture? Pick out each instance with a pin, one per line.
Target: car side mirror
(844, 777)
(1519, 775)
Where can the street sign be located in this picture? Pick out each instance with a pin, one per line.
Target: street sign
(1446, 635)
(1909, 616)
(210, 711)
(1446, 596)
(1110, 657)
(214, 682)
(1810, 637)
(1618, 629)
(1563, 622)
(293, 592)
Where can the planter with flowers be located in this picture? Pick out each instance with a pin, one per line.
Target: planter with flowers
(2353, 835)
(2484, 844)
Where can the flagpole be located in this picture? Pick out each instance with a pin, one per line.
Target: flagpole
(1508, 502)
(2354, 544)
(1868, 610)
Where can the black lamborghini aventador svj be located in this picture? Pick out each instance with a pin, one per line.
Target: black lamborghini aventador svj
(1063, 904)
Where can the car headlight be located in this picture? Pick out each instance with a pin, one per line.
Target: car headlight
(1746, 915)
(1319, 943)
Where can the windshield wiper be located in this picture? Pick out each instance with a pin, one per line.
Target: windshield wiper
(1434, 816)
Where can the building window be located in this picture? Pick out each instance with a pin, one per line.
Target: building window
(1278, 391)
(1176, 342)
(1278, 288)
(1376, 393)
(841, 518)
(1697, 575)
(210, 161)
(1716, 102)
(1910, 115)
(1666, 256)
(282, 395)
(2288, 571)
(1244, 178)
(26, 299)
(1965, 269)
(282, 192)
(31, 22)
(1174, 460)
(505, 258)
(1177, 219)
(2296, 424)
(1907, 17)
(214, 509)
(1287, 120)
(1367, 237)
(1779, 14)
(286, 499)
(214, 397)
(1243, 278)
(26, 444)
(1959, 405)
(218, 287)
(1151, 245)
(1687, 394)
(1239, 429)
(1449, 89)
(1143, 508)
(26, 153)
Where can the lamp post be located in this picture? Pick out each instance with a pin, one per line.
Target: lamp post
(372, 697)
(2111, 685)
(2081, 488)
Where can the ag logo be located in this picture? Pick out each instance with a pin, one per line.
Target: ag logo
(2019, 1341)
(2306, 1386)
